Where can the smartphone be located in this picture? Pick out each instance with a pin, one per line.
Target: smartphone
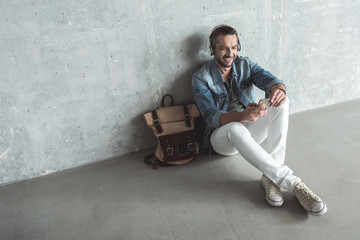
(265, 103)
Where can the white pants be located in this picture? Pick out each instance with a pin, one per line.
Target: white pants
(245, 138)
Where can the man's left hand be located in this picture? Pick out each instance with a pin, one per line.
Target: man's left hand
(277, 96)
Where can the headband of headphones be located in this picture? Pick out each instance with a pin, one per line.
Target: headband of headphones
(215, 29)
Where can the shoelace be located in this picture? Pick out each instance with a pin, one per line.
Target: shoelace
(273, 190)
(308, 196)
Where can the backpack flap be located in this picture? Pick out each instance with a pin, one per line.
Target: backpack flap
(172, 115)
(177, 148)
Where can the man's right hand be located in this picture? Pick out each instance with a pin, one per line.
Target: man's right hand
(252, 113)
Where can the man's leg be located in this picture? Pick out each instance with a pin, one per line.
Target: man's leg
(235, 137)
(274, 127)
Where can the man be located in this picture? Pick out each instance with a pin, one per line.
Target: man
(223, 92)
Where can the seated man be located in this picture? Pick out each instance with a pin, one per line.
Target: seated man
(223, 92)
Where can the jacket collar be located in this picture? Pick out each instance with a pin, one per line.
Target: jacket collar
(216, 74)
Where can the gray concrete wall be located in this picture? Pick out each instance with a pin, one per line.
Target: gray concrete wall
(76, 76)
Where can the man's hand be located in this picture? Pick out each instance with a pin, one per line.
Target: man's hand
(250, 114)
(277, 95)
(253, 112)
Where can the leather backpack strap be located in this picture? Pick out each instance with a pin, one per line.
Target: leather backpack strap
(156, 121)
(187, 117)
(154, 162)
(148, 159)
(163, 100)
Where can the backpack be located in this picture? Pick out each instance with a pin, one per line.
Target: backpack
(173, 127)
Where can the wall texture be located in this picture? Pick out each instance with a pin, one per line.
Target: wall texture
(76, 76)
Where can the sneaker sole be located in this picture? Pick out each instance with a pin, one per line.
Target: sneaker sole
(321, 212)
(272, 202)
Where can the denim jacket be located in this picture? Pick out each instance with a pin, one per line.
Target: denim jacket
(212, 94)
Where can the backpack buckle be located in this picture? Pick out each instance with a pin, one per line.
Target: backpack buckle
(190, 146)
(170, 151)
(155, 163)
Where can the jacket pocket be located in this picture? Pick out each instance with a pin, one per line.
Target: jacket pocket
(220, 100)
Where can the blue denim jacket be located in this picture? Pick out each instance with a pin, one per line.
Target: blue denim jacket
(211, 93)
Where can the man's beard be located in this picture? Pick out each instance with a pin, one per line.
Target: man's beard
(222, 63)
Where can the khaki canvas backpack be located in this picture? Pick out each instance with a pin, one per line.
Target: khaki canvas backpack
(174, 128)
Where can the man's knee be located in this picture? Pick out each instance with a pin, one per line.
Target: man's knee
(283, 107)
(238, 130)
(287, 101)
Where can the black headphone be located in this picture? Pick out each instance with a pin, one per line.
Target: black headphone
(212, 46)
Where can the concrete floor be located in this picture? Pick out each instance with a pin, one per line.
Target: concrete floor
(216, 198)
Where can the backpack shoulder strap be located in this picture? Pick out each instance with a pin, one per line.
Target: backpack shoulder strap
(187, 116)
(154, 162)
(156, 121)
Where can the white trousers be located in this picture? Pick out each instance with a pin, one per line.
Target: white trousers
(245, 138)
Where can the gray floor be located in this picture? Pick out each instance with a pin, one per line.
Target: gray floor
(216, 198)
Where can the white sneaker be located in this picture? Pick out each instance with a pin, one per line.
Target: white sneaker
(273, 194)
(312, 203)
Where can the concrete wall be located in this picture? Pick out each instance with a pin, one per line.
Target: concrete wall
(76, 76)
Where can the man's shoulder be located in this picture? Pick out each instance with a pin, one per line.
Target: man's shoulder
(243, 64)
(242, 59)
(204, 70)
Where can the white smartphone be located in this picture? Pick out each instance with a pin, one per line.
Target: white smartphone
(265, 103)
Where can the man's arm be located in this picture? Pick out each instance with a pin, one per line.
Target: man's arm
(250, 114)
(274, 87)
(253, 111)
(265, 80)
(213, 116)
(205, 102)
(277, 95)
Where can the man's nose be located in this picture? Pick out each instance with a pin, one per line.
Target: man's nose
(228, 52)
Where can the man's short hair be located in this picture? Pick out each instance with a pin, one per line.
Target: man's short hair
(221, 30)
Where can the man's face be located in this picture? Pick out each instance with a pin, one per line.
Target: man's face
(225, 50)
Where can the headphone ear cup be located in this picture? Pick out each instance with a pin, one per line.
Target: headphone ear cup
(238, 45)
(210, 49)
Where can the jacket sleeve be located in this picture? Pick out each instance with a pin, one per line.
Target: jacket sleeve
(263, 79)
(205, 101)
